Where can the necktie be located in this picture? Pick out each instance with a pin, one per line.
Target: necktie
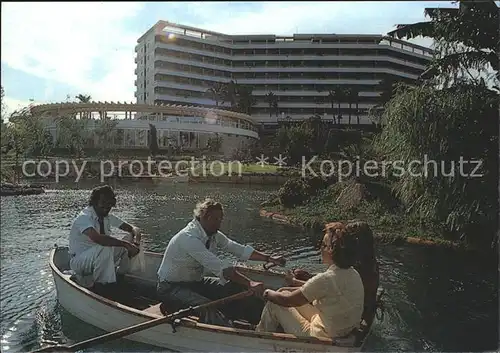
(207, 243)
(101, 226)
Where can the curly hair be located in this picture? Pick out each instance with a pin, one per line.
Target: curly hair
(344, 247)
(100, 191)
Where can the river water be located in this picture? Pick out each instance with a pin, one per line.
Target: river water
(435, 300)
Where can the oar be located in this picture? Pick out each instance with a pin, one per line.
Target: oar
(142, 326)
(269, 265)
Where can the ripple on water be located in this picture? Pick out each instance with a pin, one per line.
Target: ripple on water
(433, 301)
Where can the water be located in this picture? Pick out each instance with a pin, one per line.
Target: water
(436, 300)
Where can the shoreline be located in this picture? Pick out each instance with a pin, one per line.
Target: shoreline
(379, 237)
(271, 179)
(14, 189)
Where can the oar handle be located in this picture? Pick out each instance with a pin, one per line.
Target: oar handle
(142, 326)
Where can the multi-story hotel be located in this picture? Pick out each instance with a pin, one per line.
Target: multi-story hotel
(178, 65)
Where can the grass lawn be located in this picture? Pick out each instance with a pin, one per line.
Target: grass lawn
(257, 168)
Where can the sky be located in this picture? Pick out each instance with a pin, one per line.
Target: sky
(52, 50)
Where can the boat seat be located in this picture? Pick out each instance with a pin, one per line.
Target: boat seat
(158, 309)
(154, 309)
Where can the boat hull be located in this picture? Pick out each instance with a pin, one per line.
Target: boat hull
(189, 336)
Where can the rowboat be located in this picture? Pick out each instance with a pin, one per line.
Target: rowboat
(184, 334)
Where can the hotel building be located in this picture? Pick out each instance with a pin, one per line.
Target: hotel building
(178, 64)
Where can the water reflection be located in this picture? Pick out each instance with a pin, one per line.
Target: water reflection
(435, 300)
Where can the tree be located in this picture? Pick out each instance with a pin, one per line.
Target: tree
(83, 98)
(230, 94)
(309, 138)
(446, 126)
(31, 132)
(216, 93)
(332, 99)
(153, 140)
(105, 130)
(337, 95)
(275, 107)
(297, 142)
(4, 107)
(214, 143)
(386, 86)
(348, 94)
(451, 116)
(466, 39)
(73, 134)
(272, 100)
(375, 115)
(246, 100)
(355, 99)
(25, 135)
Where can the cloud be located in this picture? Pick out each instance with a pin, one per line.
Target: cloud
(62, 42)
(12, 104)
(310, 17)
(90, 46)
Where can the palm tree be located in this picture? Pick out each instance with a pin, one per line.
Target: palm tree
(84, 98)
(230, 93)
(340, 94)
(332, 98)
(275, 106)
(246, 100)
(466, 37)
(386, 87)
(355, 99)
(216, 93)
(272, 100)
(348, 94)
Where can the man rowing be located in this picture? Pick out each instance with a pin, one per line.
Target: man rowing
(191, 252)
(93, 251)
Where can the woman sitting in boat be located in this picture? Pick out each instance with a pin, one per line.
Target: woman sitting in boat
(329, 304)
(366, 265)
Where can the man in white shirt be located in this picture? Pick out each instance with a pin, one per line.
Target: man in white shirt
(191, 253)
(93, 252)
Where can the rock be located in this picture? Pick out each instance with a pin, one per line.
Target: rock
(352, 195)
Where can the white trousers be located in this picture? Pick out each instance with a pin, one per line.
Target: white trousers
(296, 321)
(98, 264)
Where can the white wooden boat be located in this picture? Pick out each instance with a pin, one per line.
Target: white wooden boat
(189, 335)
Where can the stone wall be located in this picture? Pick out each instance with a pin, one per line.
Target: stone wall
(264, 179)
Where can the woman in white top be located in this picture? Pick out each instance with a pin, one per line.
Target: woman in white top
(329, 304)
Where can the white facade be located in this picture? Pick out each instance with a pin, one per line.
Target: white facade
(177, 65)
(187, 128)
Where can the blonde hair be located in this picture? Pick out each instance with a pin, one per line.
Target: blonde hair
(204, 207)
